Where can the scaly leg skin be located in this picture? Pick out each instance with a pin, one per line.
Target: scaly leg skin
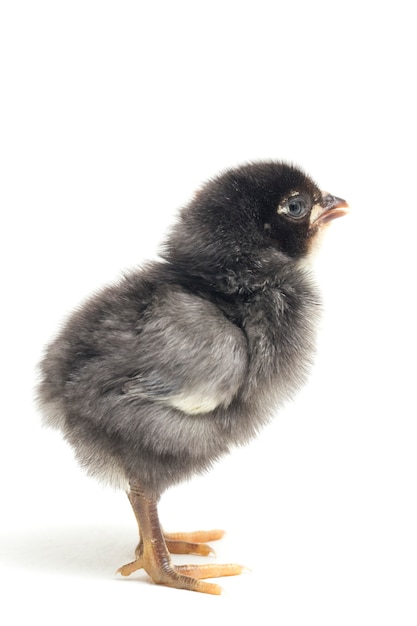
(154, 556)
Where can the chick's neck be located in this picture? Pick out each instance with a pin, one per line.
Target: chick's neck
(240, 276)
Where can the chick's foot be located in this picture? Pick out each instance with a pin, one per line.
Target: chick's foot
(153, 551)
(182, 576)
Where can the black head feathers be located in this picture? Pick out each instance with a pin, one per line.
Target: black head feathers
(244, 212)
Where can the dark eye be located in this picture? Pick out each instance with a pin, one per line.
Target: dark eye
(296, 207)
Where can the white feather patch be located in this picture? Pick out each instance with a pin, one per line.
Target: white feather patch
(193, 403)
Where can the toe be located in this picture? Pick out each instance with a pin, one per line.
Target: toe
(180, 580)
(212, 570)
(187, 547)
(129, 568)
(198, 536)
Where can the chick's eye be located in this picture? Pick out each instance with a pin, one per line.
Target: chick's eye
(297, 207)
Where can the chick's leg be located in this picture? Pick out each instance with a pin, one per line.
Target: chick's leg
(186, 543)
(154, 556)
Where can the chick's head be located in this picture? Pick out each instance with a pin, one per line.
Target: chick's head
(248, 209)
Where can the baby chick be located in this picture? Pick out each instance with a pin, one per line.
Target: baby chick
(156, 377)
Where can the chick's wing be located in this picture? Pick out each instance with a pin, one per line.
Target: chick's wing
(190, 356)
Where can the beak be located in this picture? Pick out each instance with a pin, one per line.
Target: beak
(329, 209)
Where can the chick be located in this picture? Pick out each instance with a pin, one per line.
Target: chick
(155, 378)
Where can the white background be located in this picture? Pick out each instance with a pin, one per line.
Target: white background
(112, 114)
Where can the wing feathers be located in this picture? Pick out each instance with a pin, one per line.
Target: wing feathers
(190, 356)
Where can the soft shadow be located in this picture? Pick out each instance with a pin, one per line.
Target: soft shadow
(77, 550)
